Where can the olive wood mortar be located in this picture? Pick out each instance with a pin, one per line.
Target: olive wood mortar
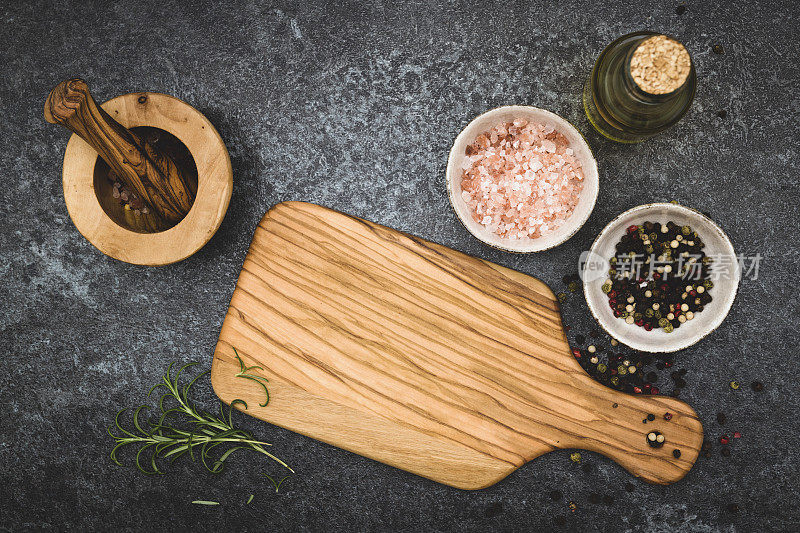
(422, 357)
(162, 150)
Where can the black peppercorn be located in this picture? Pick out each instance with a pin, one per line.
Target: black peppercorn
(725, 451)
(493, 509)
(733, 508)
(651, 417)
(757, 386)
(676, 453)
(722, 113)
(556, 495)
(580, 339)
(721, 418)
(680, 10)
(718, 49)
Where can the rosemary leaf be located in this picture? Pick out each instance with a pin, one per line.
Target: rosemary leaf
(204, 502)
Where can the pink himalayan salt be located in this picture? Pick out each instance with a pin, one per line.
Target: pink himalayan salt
(521, 179)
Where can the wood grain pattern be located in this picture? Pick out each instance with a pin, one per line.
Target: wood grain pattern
(423, 358)
(153, 175)
(214, 182)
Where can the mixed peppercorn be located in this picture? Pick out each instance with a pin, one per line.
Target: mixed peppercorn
(635, 372)
(659, 277)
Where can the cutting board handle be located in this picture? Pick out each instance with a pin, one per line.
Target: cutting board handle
(617, 425)
(150, 173)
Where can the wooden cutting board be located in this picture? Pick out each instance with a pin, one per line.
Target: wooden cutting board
(423, 358)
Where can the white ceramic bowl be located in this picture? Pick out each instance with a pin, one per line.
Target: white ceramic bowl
(583, 153)
(717, 245)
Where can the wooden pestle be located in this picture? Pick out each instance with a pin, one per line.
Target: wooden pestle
(146, 171)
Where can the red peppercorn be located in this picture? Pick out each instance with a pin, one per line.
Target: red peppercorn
(612, 295)
(613, 371)
(724, 439)
(640, 322)
(667, 364)
(692, 292)
(647, 386)
(656, 276)
(633, 228)
(648, 327)
(667, 416)
(737, 435)
(577, 353)
(654, 390)
(637, 390)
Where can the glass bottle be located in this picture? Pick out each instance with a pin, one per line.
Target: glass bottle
(619, 108)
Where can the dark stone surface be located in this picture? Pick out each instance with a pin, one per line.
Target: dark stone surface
(354, 107)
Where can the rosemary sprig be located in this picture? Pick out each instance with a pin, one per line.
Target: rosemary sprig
(243, 373)
(181, 428)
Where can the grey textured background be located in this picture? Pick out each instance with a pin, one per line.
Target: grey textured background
(354, 106)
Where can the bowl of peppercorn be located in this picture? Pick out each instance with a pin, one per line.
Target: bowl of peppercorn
(660, 277)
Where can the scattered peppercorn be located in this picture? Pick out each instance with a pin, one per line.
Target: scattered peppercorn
(630, 487)
(572, 286)
(718, 49)
(562, 297)
(556, 495)
(734, 385)
(722, 113)
(757, 386)
(615, 405)
(572, 506)
(680, 10)
(733, 508)
(651, 417)
(737, 435)
(724, 439)
(575, 457)
(668, 416)
(676, 453)
(580, 339)
(726, 452)
(721, 418)
(655, 439)
(493, 509)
